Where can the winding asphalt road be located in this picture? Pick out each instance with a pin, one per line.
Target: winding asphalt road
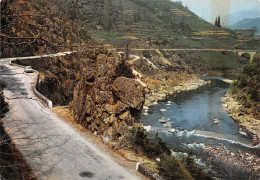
(54, 149)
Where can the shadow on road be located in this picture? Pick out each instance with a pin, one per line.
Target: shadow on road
(13, 83)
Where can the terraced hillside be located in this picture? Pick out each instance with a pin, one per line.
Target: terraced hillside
(166, 23)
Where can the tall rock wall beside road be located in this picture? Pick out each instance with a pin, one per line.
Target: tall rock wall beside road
(100, 90)
(104, 100)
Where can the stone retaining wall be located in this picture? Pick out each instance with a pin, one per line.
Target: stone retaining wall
(45, 100)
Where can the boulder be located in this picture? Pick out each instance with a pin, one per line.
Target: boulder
(130, 92)
(126, 116)
(215, 121)
(172, 130)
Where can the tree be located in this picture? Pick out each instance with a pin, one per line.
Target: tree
(216, 22)
(219, 25)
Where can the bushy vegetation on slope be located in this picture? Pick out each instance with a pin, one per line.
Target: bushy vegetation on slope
(221, 61)
(168, 166)
(37, 27)
(166, 23)
(247, 87)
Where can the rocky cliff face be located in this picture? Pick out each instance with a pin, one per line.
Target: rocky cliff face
(100, 89)
(105, 101)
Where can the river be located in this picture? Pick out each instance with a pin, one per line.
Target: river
(223, 147)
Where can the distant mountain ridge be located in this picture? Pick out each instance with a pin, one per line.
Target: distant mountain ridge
(236, 17)
(248, 24)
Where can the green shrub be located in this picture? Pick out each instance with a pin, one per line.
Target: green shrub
(249, 70)
(156, 147)
(152, 148)
(138, 136)
(171, 168)
(242, 81)
(196, 171)
(246, 55)
(256, 59)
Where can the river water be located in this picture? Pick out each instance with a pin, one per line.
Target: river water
(192, 114)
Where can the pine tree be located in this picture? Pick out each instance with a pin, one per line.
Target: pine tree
(216, 22)
(219, 22)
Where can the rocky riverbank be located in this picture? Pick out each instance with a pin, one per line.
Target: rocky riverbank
(242, 116)
(166, 89)
(234, 163)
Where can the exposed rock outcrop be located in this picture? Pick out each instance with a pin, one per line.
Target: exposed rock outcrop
(102, 98)
(104, 101)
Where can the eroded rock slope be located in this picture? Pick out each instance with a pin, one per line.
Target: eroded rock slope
(100, 90)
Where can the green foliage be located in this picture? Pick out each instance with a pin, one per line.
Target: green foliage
(242, 81)
(162, 20)
(217, 22)
(249, 70)
(246, 89)
(219, 60)
(246, 55)
(151, 147)
(138, 135)
(256, 60)
(169, 166)
(196, 171)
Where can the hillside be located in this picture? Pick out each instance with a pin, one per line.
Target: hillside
(166, 23)
(248, 24)
(37, 27)
(246, 92)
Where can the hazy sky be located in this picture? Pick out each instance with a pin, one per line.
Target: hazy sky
(209, 9)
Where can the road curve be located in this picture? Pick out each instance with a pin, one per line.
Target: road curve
(54, 149)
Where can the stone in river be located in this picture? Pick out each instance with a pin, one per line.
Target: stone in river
(242, 133)
(164, 120)
(168, 125)
(172, 130)
(216, 121)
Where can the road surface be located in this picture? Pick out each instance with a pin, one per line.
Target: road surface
(54, 149)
